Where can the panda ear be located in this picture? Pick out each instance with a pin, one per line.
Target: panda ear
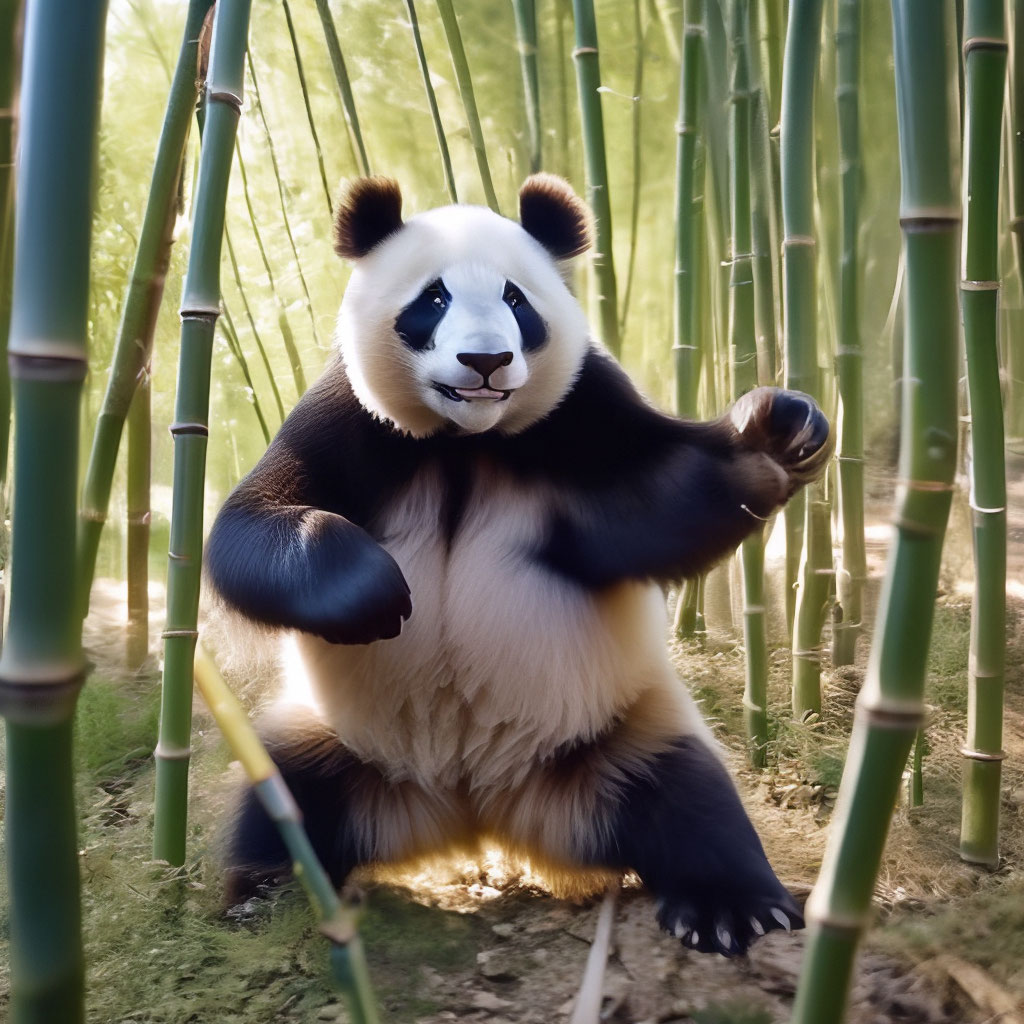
(557, 217)
(367, 211)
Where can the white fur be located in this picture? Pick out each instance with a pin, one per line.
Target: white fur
(475, 251)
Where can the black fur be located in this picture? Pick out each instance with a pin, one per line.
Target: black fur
(417, 324)
(367, 212)
(679, 824)
(644, 496)
(557, 217)
(532, 328)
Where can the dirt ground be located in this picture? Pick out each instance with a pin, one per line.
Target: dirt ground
(481, 942)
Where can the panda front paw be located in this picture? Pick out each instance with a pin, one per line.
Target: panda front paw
(789, 427)
(729, 927)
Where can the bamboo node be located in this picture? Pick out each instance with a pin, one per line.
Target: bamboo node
(979, 286)
(808, 653)
(933, 222)
(892, 715)
(581, 50)
(167, 752)
(990, 511)
(92, 515)
(985, 43)
(982, 755)
(209, 314)
(28, 360)
(170, 634)
(754, 609)
(189, 428)
(40, 701)
(225, 96)
(796, 240)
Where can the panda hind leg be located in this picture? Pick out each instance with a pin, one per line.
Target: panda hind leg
(678, 822)
(322, 777)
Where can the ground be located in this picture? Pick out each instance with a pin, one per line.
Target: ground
(481, 942)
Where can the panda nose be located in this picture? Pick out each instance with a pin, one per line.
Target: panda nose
(485, 363)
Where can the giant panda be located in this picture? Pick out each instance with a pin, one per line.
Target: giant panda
(463, 527)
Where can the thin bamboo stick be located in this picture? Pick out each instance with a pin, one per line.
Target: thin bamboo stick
(338, 921)
(465, 81)
(526, 38)
(309, 110)
(890, 709)
(588, 82)
(139, 515)
(985, 52)
(134, 345)
(200, 309)
(442, 141)
(42, 667)
(640, 33)
(800, 72)
(10, 44)
(852, 572)
(281, 199)
(227, 326)
(348, 101)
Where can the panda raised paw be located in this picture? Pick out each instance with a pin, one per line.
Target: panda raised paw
(789, 427)
(723, 929)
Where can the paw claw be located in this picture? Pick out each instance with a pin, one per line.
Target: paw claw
(756, 925)
(782, 919)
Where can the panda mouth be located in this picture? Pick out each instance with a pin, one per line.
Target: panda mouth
(471, 394)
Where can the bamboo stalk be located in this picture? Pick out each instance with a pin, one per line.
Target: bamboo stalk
(10, 44)
(588, 83)
(348, 101)
(800, 72)
(442, 141)
(465, 81)
(985, 52)
(743, 346)
(200, 308)
(309, 110)
(640, 32)
(338, 921)
(890, 709)
(281, 199)
(287, 337)
(134, 345)
(526, 39)
(227, 326)
(42, 667)
(852, 572)
(139, 515)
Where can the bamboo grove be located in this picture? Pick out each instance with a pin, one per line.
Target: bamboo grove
(762, 236)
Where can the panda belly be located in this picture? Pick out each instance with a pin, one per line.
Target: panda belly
(502, 662)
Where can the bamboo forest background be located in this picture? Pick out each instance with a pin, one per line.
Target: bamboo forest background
(301, 133)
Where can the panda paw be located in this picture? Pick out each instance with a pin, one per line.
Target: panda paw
(789, 427)
(724, 929)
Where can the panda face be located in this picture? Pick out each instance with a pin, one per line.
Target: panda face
(460, 320)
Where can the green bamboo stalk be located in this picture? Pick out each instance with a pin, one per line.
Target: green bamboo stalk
(465, 81)
(890, 709)
(526, 38)
(588, 82)
(743, 346)
(563, 11)
(774, 19)
(10, 14)
(442, 141)
(281, 199)
(287, 337)
(264, 358)
(640, 33)
(42, 667)
(200, 308)
(139, 514)
(800, 72)
(309, 110)
(1015, 154)
(852, 571)
(348, 101)
(227, 326)
(686, 347)
(134, 345)
(985, 53)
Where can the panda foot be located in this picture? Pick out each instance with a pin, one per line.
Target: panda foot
(728, 930)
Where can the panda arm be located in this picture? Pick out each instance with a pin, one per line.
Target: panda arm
(287, 549)
(642, 495)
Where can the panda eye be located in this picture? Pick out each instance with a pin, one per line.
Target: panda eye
(437, 294)
(513, 296)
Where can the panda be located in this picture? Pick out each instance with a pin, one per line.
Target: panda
(463, 527)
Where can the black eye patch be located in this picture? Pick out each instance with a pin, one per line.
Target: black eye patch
(531, 324)
(417, 323)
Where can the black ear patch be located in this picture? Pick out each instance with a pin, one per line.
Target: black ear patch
(368, 210)
(555, 215)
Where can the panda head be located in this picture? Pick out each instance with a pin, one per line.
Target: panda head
(460, 319)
